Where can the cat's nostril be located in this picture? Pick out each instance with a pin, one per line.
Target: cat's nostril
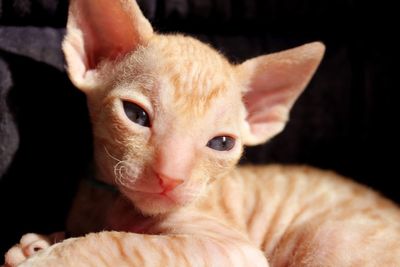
(36, 249)
(169, 184)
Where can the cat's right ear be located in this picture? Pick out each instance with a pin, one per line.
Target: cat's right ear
(99, 30)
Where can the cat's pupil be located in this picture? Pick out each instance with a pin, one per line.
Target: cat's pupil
(221, 143)
(136, 114)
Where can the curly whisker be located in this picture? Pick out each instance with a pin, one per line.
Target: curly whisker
(125, 173)
(111, 156)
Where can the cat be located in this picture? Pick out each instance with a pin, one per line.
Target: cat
(170, 116)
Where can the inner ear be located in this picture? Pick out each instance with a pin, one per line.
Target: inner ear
(99, 30)
(274, 82)
(110, 28)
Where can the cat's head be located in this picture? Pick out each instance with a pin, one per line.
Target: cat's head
(169, 113)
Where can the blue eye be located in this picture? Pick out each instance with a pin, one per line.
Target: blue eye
(221, 143)
(136, 114)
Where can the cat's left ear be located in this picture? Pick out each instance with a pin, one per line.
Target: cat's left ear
(273, 84)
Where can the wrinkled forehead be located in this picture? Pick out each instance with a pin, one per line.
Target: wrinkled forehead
(193, 75)
(187, 75)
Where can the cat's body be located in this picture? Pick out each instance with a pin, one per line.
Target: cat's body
(313, 218)
(170, 117)
(309, 213)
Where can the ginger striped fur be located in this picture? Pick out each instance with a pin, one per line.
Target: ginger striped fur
(170, 117)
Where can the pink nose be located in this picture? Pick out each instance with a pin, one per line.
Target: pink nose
(169, 184)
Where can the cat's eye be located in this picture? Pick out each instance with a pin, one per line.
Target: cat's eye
(136, 114)
(221, 143)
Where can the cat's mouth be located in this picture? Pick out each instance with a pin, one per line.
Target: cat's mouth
(156, 202)
(161, 196)
(158, 195)
(149, 192)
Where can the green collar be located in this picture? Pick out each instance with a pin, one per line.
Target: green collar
(101, 185)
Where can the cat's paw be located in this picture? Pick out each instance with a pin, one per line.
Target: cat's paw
(29, 245)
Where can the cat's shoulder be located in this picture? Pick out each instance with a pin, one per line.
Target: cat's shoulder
(287, 171)
(306, 179)
(300, 177)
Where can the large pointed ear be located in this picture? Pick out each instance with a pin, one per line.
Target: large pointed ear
(100, 30)
(274, 82)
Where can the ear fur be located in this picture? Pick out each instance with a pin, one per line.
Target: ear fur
(100, 30)
(274, 82)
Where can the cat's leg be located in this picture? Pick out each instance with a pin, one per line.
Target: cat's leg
(129, 249)
(182, 239)
(340, 243)
(29, 245)
(365, 238)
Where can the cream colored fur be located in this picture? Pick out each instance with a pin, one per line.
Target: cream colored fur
(180, 202)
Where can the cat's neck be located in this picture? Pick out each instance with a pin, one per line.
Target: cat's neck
(98, 184)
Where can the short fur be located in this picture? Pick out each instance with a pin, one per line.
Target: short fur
(179, 202)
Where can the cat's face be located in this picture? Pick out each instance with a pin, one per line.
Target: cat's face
(168, 122)
(167, 111)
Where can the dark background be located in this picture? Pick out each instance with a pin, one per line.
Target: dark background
(345, 121)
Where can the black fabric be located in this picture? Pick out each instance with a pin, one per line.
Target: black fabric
(345, 120)
(8, 130)
(33, 13)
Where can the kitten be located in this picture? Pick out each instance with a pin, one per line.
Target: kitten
(170, 117)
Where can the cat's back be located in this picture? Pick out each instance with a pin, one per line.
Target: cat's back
(276, 203)
(304, 186)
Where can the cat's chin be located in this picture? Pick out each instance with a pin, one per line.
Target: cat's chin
(155, 203)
